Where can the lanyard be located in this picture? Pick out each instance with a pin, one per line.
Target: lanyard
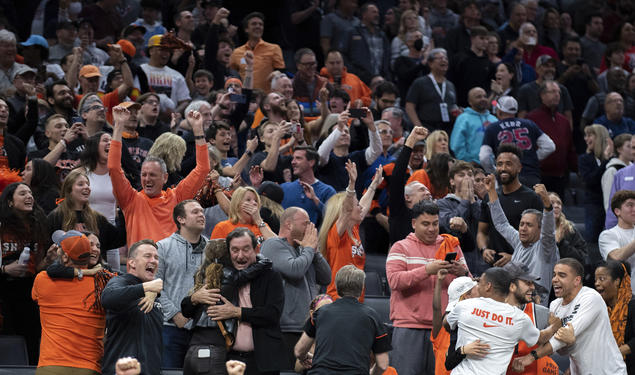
(440, 91)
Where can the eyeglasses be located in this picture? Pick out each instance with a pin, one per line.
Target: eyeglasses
(96, 108)
(151, 102)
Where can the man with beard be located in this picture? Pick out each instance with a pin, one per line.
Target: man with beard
(469, 128)
(307, 83)
(295, 255)
(273, 107)
(521, 295)
(535, 145)
(534, 243)
(133, 320)
(60, 98)
(514, 198)
(584, 312)
(367, 48)
(528, 94)
(164, 80)
(268, 56)
(306, 191)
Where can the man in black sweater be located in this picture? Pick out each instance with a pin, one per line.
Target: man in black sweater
(133, 321)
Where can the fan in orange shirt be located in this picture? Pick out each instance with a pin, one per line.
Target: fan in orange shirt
(339, 238)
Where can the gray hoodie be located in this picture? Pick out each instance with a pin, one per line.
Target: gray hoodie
(541, 256)
(178, 262)
(302, 269)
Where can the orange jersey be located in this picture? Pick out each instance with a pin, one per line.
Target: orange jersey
(222, 229)
(440, 346)
(341, 251)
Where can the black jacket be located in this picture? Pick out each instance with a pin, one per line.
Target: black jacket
(400, 220)
(129, 331)
(15, 151)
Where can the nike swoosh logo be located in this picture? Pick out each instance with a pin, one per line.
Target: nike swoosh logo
(489, 325)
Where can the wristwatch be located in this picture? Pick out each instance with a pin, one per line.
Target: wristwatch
(80, 274)
(534, 354)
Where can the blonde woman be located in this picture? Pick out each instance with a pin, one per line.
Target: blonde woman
(591, 166)
(171, 148)
(436, 143)
(339, 239)
(244, 211)
(409, 23)
(570, 241)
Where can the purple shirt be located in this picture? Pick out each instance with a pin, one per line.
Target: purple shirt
(624, 180)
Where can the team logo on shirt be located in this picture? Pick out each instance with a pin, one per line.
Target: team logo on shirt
(569, 317)
(357, 250)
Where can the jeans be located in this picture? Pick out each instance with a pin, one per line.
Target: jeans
(176, 341)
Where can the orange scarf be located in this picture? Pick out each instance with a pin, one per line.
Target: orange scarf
(618, 313)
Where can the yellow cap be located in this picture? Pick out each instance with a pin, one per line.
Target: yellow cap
(154, 41)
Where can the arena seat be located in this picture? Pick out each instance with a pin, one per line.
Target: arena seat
(13, 351)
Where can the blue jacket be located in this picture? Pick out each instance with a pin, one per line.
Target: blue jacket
(467, 135)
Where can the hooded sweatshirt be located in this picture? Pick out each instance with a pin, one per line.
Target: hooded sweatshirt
(467, 135)
(178, 263)
(412, 288)
(612, 167)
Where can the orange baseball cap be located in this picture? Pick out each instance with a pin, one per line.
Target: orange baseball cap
(128, 105)
(89, 71)
(127, 47)
(75, 244)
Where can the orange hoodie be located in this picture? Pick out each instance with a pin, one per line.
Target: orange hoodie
(148, 217)
(353, 86)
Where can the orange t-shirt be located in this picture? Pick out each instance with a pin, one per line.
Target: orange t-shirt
(72, 334)
(440, 346)
(341, 251)
(222, 229)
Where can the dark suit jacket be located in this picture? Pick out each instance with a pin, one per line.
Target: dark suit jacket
(267, 299)
(357, 55)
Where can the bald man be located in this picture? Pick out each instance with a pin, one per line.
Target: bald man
(469, 127)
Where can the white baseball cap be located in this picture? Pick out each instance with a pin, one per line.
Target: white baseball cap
(457, 288)
(507, 104)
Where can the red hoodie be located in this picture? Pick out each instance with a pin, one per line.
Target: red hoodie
(411, 286)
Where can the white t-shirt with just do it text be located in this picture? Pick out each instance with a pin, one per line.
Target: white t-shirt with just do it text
(497, 324)
(595, 351)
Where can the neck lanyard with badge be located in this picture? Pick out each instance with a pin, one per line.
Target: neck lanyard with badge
(443, 106)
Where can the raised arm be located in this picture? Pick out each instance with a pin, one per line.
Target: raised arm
(374, 148)
(437, 313)
(548, 226)
(327, 146)
(367, 198)
(271, 161)
(498, 215)
(119, 61)
(343, 221)
(121, 188)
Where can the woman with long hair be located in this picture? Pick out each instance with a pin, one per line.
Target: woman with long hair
(338, 239)
(44, 182)
(613, 282)
(570, 242)
(75, 213)
(591, 166)
(22, 225)
(171, 148)
(244, 211)
(438, 171)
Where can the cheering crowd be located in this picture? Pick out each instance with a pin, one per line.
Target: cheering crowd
(195, 185)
